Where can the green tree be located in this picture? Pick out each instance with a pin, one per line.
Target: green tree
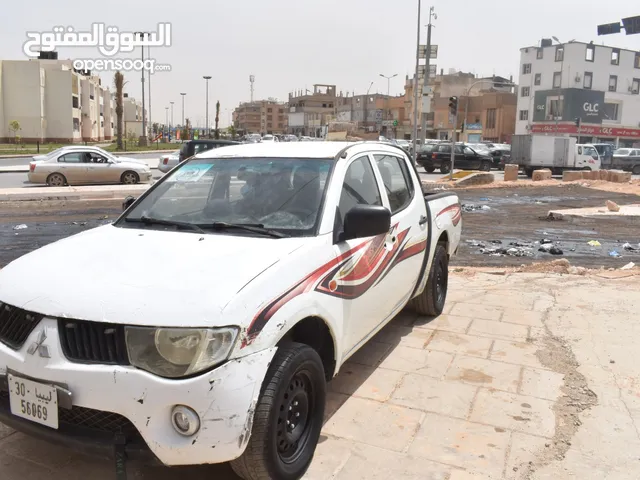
(155, 128)
(217, 118)
(186, 130)
(232, 131)
(118, 81)
(14, 128)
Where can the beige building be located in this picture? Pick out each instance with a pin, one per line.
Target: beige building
(52, 102)
(310, 111)
(262, 116)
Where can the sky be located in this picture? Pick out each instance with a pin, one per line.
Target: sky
(292, 44)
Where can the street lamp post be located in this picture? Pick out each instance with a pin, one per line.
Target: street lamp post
(143, 138)
(171, 123)
(366, 107)
(207, 78)
(166, 110)
(183, 95)
(388, 91)
(415, 91)
(427, 66)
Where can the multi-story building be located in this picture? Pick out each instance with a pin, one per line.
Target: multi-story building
(597, 84)
(52, 102)
(262, 116)
(310, 111)
(374, 112)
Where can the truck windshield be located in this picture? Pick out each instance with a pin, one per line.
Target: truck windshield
(280, 194)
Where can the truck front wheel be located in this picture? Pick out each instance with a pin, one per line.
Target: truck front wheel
(288, 417)
(528, 172)
(444, 167)
(431, 301)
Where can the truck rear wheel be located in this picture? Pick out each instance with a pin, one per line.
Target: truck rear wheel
(444, 168)
(288, 417)
(431, 301)
(528, 172)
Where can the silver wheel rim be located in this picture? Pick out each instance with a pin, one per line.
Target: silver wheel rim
(56, 181)
(129, 178)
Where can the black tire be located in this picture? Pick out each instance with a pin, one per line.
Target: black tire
(57, 180)
(129, 178)
(430, 169)
(528, 172)
(431, 301)
(298, 368)
(444, 168)
(485, 166)
(636, 170)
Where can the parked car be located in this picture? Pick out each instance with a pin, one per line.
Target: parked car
(627, 159)
(193, 147)
(67, 148)
(168, 161)
(221, 351)
(605, 150)
(87, 166)
(424, 156)
(268, 138)
(466, 158)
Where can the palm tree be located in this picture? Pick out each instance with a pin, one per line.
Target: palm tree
(118, 81)
(217, 118)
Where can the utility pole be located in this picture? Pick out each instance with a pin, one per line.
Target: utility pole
(183, 95)
(149, 82)
(423, 133)
(166, 110)
(207, 78)
(171, 124)
(453, 109)
(415, 92)
(388, 93)
(143, 138)
(366, 107)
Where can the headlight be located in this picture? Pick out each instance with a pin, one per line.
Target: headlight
(178, 352)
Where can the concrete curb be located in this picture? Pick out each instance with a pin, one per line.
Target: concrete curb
(71, 193)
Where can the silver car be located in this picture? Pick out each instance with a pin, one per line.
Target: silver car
(88, 166)
(168, 161)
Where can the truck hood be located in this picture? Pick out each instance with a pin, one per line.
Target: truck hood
(141, 277)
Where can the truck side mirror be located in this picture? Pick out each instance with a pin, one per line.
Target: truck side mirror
(366, 221)
(128, 202)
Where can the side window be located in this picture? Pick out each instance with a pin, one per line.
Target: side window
(397, 181)
(71, 158)
(468, 151)
(458, 149)
(579, 150)
(359, 188)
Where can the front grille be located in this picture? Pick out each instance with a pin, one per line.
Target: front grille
(16, 324)
(88, 418)
(93, 342)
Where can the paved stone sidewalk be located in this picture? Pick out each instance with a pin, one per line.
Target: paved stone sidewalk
(526, 376)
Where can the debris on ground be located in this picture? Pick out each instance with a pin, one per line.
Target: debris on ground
(613, 206)
(594, 243)
(628, 266)
(614, 254)
(22, 226)
(550, 248)
(545, 241)
(630, 248)
(472, 208)
(476, 243)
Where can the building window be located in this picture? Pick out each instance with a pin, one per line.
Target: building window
(331, 105)
(76, 124)
(635, 86)
(611, 111)
(615, 56)
(636, 62)
(491, 118)
(557, 78)
(540, 53)
(555, 108)
(537, 79)
(559, 53)
(613, 83)
(269, 110)
(74, 102)
(524, 115)
(590, 55)
(526, 68)
(588, 80)
(524, 92)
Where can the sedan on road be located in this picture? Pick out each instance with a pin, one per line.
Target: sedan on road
(74, 167)
(168, 161)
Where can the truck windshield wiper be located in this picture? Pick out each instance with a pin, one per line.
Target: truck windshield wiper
(249, 227)
(160, 221)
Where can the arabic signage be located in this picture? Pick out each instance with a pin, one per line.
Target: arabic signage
(588, 105)
(432, 70)
(423, 51)
(598, 131)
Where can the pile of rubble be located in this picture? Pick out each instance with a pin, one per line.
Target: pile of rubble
(615, 176)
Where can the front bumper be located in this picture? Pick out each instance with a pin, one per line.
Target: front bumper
(223, 398)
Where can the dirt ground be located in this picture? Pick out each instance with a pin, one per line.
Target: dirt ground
(514, 214)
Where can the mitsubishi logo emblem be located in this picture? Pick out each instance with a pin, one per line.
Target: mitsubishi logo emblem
(38, 346)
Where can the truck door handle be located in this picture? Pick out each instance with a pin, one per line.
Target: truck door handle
(423, 220)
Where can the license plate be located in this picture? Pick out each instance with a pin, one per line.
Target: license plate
(34, 401)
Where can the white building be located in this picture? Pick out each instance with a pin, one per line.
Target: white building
(54, 103)
(598, 84)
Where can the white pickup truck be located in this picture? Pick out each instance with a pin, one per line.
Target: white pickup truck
(202, 326)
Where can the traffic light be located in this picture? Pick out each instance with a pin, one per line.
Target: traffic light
(578, 121)
(453, 105)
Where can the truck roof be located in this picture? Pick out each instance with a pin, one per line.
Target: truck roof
(291, 149)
